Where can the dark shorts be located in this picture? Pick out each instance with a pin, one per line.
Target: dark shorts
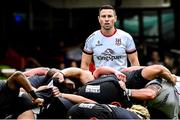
(135, 80)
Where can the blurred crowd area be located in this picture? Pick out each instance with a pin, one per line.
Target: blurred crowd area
(155, 55)
(61, 56)
(55, 56)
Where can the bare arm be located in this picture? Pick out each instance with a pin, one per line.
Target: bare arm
(153, 71)
(133, 58)
(36, 71)
(108, 70)
(148, 93)
(103, 71)
(55, 73)
(85, 61)
(166, 74)
(77, 98)
(83, 75)
(132, 68)
(71, 97)
(17, 80)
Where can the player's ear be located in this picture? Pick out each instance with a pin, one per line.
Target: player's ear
(98, 18)
(115, 18)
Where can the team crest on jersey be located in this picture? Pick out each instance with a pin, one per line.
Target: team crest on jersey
(98, 43)
(118, 41)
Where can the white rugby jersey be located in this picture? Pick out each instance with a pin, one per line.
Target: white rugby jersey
(167, 101)
(110, 50)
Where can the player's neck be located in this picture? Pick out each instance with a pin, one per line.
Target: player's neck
(108, 33)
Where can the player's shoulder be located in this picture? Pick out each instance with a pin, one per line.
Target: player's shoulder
(123, 33)
(97, 32)
(94, 34)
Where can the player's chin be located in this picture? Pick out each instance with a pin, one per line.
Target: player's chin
(106, 27)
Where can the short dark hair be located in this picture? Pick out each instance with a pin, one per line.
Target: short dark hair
(106, 7)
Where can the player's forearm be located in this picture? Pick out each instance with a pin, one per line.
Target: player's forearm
(135, 62)
(36, 71)
(76, 98)
(104, 70)
(86, 59)
(85, 66)
(72, 72)
(17, 80)
(166, 74)
(143, 94)
(133, 58)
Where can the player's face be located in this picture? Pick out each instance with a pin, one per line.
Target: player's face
(107, 18)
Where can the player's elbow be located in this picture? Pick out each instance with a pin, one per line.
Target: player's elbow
(17, 74)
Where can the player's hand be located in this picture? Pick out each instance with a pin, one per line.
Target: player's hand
(41, 88)
(122, 85)
(174, 79)
(58, 76)
(120, 76)
(39, 102)
(69, 84)
(55, 91)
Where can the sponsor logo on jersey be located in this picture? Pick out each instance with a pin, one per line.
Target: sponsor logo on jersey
(98, 43)
(92, 89)
(108, 55)
(84, 105)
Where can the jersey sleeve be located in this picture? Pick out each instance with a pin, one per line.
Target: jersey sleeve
(130, 44)
(156, 82)
(88, 44)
